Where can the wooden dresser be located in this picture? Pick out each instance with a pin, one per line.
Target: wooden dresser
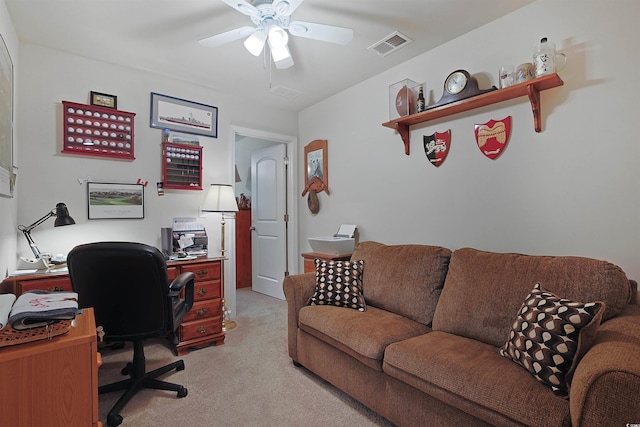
(52, 382)
(202, 326)
(243, 248)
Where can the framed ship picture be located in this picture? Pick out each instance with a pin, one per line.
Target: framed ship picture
(181, 115)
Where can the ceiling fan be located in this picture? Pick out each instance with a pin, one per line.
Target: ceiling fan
(271, 18)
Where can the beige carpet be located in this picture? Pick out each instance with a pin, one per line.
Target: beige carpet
(248, 381)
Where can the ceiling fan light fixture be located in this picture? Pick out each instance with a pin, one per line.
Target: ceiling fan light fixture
(280, 53)
(278, 37)
(255, 42)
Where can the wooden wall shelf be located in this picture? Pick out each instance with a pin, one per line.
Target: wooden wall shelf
(531, 88)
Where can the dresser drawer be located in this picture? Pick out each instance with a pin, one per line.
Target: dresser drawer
(172, 273)
(200, 328)
(206, 290)
(53, 284)
(207, 271)
(203, 309)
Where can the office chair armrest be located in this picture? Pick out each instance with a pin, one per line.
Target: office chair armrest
(183, 281)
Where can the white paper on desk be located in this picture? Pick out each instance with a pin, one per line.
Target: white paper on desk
(6, 302)
(23, 272)
(187, 224)
(185, 241)
(346, 230)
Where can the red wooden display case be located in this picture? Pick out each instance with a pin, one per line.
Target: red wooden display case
(92, 130)
(181, 166)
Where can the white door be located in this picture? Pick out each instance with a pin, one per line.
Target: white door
(268, 211)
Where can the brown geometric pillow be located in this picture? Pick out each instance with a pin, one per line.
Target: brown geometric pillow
(550, 336)
(339, 283)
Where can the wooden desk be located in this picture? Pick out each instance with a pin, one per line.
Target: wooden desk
(52, 382)
(201, 327)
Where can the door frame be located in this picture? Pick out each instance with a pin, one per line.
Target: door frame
(291, 208)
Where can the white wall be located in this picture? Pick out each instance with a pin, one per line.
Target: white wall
(572, 189)
(46, 176)
(9, 206)
(48, 77)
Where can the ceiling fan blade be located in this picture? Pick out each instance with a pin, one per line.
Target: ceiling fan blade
(285, 7)
(243, 6)
(325, 33)
(226, 37)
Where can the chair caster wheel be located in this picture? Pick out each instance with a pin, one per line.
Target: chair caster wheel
(180, 367)
(114, 420)
(127, 369)
(182, 392)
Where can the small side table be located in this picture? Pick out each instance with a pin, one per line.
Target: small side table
(309, 259)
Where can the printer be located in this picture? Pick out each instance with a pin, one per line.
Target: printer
(341, 243)
(188, 236)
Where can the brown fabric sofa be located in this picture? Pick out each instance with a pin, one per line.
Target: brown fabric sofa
(426, 350)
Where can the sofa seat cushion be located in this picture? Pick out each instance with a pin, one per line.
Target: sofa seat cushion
(362, 334)
(473, 377)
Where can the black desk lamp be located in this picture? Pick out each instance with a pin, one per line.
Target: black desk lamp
(62, 218)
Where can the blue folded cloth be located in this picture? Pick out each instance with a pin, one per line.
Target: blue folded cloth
(37, 308)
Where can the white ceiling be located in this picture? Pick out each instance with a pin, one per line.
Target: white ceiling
(162, 36)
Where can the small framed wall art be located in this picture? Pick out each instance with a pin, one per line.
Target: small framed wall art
(104, 100)
(180, 115)
(316, 163)
(115, 201)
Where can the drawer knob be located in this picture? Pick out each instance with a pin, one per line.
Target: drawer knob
(55, 289)
(201, 273)
(202, 330)
(202, 291)
(201, 311)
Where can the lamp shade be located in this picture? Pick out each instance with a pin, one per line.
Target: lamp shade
(220, 198)
(62, 216)
(255, 42)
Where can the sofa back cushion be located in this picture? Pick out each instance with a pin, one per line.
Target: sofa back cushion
(403, 279)
(484, 290)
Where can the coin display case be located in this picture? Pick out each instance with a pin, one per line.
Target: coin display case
(181, 166)
(91, 130)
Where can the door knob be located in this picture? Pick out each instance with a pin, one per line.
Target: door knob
(252, 228)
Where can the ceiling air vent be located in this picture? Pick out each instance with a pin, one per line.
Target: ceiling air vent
(391, 43)
(285, 91)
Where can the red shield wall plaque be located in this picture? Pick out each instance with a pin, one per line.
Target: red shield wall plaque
(492, 137)
(436, 146)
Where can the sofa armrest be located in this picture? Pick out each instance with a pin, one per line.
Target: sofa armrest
(604, 390)
(297, 290)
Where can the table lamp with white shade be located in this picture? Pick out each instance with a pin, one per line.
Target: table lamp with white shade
(221, 198)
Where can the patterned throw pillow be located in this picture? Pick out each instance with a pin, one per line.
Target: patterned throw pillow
(550, 335)
(339, 283)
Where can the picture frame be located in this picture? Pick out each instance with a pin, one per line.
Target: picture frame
(7, 177)
(104, 100)
(115, 201)
(184, 116)
(316, 161)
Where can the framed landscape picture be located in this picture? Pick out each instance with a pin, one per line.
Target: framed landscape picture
(115, 201)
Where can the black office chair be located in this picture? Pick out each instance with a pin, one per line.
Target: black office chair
(127, 286)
